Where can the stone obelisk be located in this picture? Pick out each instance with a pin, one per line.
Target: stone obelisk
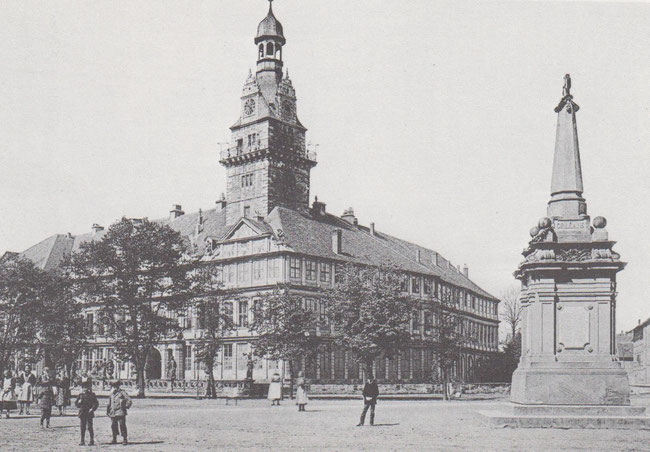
(568, 292)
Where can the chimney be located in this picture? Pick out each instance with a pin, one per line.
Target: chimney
(372, 229)
(348, 215)
(418, 255)
(466, 271)
(221, 203)
(458, 268)
(97, 228)
(176, 211)
(318, 208)
(337, 239)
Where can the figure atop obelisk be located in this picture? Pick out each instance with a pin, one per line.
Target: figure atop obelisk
(568, 292)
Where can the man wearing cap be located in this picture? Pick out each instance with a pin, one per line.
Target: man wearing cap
(370, 394)
(118, 404)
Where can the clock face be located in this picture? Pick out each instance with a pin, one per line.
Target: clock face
(287, 109)
(249, 107)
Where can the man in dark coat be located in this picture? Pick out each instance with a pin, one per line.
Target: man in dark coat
(87, 403)
(370, 394)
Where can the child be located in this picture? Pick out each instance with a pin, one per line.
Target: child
(301, 393)
(8, 393)
(87, 403)
(47, 401)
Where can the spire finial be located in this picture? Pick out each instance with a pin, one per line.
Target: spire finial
(566, 90)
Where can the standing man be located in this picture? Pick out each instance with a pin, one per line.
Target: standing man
(118, 404)
(87, 403)
(171, 371)
(370, 394)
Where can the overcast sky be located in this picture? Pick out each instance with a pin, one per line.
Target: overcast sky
(434, 120)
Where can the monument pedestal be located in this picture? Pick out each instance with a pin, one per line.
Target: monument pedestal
(570, 383)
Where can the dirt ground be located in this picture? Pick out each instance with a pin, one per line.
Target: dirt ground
(191, 425)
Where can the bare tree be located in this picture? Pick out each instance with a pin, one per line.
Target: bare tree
(511, 310)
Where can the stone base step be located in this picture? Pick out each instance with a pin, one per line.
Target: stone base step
(508, 419)
(579, 410)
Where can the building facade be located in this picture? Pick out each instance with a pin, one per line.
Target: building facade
(264, 232)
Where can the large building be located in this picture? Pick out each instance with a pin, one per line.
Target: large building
(264, 232)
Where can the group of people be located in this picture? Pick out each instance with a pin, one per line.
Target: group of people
(117, 408)
(20, 391)
(370, 394)
(48, 391)
(275, 391)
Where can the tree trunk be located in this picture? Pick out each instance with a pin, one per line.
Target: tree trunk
(291, 379)
(139, 377)
(211, 385)
(367, 371)
(445, 384)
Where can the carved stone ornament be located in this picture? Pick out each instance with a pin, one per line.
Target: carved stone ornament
(601, 253)
(540, 255)
(574, 255)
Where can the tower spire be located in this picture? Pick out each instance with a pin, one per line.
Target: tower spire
(566, 183)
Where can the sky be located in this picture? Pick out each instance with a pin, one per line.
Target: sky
(434, 120)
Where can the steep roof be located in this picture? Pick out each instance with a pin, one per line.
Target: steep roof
(301, 232)
(312, 235)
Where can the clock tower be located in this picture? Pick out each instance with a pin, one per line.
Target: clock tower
(267, 161)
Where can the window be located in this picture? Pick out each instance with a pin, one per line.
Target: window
(310, 305)
(295, 268)
(227, 309)
(261, 55)
(247, 211)
(227, 356)
(269, 49)
(188, 357)
(473, 302)
(252, 140)
(415, 322)
(325, 272)
(240, 145)
(244, 272)
(258, 269)
(243, 313)
(310, 270)
(274, 267)
(324, 315)
(101, 322)
(415, 284)
(229, 273)
(428, 323)
(403, 284)
(90, 323)
(427, 286)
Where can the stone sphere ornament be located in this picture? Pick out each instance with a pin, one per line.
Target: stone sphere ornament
(544, 223)
(600, 222)
(533, 231)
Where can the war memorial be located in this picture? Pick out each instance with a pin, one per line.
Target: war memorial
(568, 374)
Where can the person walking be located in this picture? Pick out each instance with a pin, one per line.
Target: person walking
(62, 392)
(370, 394)
(26, 381)
(87, 403)
(118, 404)
(8, 394)
(46, 400)
(301, 393)
(275, 389)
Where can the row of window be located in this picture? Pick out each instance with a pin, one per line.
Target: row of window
(247, 180)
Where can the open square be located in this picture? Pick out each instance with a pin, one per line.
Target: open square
(190, 425)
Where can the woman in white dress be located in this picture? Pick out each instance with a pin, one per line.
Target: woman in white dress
(301, 393)
(27, 381)
(8, 394)
(275, 389)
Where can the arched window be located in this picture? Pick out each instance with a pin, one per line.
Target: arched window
(269, 49)
(278, 52)
(261, 50)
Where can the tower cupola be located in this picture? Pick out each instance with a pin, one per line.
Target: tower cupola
(269, 40)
